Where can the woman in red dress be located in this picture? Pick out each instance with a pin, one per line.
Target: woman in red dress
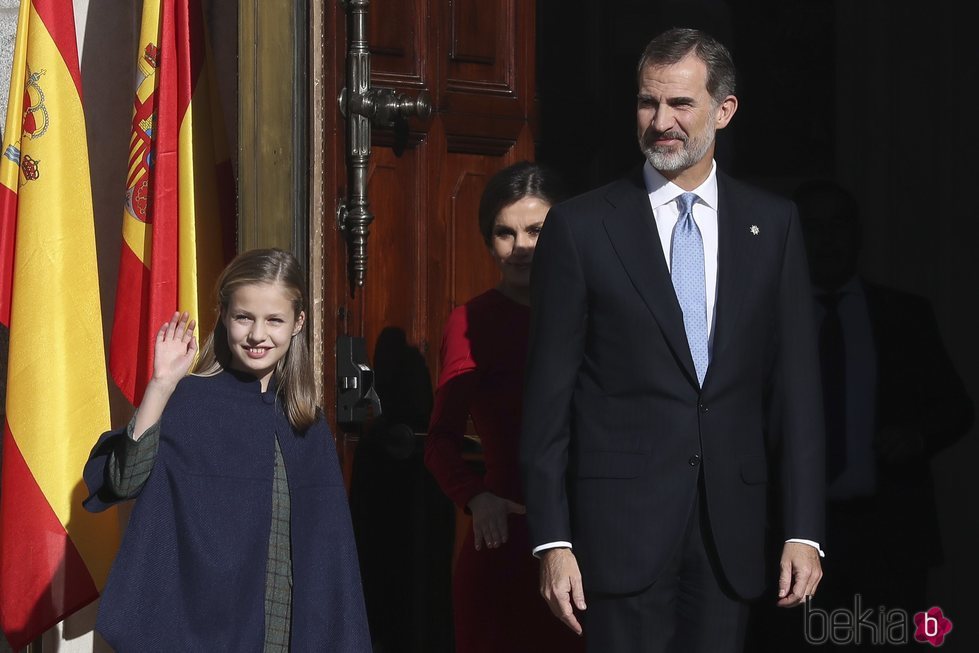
(497, 607)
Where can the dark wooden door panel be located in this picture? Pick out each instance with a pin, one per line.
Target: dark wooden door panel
(396, 289)
(425, 255)
(483, 69)
(486, 80)
(469, 262)
(470, 41)
(399, 37)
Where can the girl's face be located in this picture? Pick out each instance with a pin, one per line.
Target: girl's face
(515, 237)
(261, 323)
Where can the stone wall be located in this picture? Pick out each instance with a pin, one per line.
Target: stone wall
(8, 32)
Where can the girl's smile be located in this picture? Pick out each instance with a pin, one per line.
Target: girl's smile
(261, 323)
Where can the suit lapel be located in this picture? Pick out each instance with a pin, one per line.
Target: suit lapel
(737, 241)
(631, 229)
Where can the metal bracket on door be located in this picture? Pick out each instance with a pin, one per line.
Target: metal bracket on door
(364, 106)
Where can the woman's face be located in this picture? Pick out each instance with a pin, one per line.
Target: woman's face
(514, 237)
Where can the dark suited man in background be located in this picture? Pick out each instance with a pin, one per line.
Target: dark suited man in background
(672, 364)
(892, 401)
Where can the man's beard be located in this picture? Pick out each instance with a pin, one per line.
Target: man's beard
(673, 160)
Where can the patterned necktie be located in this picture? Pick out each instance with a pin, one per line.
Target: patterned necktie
(687, 270)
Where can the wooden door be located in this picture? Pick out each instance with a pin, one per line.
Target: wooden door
(425, 257)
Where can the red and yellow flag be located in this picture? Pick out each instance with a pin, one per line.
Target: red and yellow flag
(178, 224)
(54, 555)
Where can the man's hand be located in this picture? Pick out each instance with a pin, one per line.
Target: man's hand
(560, 585)
(800, 574)
(490, 514)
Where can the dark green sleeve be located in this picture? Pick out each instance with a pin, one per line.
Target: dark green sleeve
(131, 462)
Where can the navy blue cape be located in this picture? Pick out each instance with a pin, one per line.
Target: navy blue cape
(190, 573)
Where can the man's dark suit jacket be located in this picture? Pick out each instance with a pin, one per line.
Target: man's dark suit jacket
(918, 388)
(616, 430)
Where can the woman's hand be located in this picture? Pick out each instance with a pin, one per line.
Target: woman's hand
(490, 519)
(176, 347)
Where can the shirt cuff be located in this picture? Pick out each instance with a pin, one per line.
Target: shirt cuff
(814, 545)
(550, 545)
(152, 431)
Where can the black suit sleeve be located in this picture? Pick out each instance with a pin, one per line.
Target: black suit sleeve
(946, 412)
(797, 411)
(557, 338)
(919, 389)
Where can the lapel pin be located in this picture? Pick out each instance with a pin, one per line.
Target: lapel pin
(754, 230)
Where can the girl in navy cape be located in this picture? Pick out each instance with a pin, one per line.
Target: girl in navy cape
(240, 537)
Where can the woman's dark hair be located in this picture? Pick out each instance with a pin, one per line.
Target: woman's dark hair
(294, 371)
(512, 184)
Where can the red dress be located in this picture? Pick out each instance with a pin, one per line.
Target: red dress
(496, 603)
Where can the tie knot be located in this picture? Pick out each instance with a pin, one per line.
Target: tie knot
(686, 202)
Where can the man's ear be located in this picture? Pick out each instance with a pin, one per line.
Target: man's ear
(725, 111)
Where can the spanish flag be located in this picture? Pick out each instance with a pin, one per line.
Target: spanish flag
(178, 224)
(54, 555)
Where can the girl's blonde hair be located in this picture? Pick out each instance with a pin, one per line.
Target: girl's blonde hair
(294, 371)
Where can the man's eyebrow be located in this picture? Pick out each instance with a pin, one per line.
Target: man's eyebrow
(680, 99)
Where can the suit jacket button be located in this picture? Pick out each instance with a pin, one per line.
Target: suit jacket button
(694, 460)
(704, 408)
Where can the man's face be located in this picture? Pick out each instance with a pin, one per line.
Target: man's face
(832, 243)
(676, 116)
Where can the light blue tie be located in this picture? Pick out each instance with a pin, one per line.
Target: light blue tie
(687, 270)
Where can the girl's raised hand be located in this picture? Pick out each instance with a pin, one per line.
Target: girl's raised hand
(176, 347)
(172, 357)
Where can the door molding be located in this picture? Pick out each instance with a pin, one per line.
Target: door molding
(273, 119)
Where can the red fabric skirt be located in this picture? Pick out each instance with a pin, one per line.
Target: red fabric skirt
(497, 604)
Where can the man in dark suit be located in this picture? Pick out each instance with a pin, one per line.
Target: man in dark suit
(893, 400)
(672, 364)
